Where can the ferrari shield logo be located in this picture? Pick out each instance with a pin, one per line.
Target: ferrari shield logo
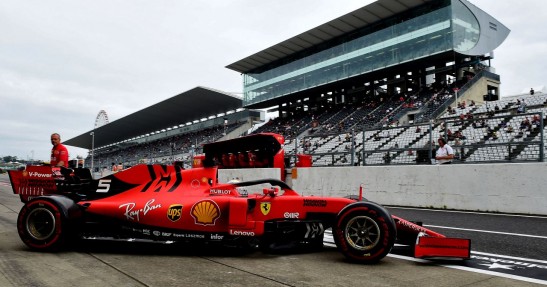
(265, 207)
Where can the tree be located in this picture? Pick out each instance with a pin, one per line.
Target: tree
(9, 158)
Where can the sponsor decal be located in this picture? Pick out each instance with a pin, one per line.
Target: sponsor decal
(291, 215)
(241, 233)
(169, 234)
(134, 214)
(315, 202)
(265, 207)
(174, 212)
(205, 212)
(34, 183)
(188, 235)
(216, 237)
(37, 174)
(220, 191)
(411, 226)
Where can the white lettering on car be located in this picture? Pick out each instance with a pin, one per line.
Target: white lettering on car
(37, 174)
(220, 191)
(104, 185)
(134, 214)
(241, 233)
(292, 215)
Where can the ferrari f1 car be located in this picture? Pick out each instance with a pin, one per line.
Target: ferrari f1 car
(172, 204)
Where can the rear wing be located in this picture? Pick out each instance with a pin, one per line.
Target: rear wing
(33, 181)
(36, 181)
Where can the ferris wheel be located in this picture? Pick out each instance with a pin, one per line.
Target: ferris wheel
(101, 119)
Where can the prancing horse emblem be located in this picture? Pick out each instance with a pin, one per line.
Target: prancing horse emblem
(265, 207)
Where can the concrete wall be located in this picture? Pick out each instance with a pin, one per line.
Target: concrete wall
(508, 188)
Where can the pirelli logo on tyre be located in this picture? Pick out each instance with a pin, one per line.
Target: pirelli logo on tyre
(174, 212)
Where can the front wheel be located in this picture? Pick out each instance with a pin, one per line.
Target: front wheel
(40, 225)
(364, 232)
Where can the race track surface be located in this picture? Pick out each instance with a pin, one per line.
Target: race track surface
(520, 241)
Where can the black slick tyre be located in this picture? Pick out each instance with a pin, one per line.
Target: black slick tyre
(364, 232)
(40, 225)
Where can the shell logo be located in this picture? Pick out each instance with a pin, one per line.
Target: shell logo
(205, 212)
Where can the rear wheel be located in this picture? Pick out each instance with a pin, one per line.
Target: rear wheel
(40, 225)
(364, 232)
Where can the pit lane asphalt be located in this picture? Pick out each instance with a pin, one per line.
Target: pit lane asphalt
(133, 264)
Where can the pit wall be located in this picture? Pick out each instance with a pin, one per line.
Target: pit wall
(507, 188)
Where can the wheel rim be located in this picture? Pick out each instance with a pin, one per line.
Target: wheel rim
(362, 233)
(40, 223)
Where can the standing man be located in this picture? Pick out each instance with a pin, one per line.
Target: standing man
(445, 153)
(59, 153)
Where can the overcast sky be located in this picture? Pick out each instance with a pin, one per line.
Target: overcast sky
(62, 61)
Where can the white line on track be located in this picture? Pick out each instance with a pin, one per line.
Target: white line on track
(487, 231)
(330, 243)
(470, 269)
(469, 212)
(510, 257)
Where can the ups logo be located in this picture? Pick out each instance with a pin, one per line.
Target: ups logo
(174, 212)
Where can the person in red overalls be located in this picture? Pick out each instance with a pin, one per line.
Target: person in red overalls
(59, 153)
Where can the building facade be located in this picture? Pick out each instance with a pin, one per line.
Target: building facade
(427, 38)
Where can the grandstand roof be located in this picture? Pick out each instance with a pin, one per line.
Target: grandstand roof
(194, 104)
(362, 17)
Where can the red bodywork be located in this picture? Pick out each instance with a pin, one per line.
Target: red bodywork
(168, 203)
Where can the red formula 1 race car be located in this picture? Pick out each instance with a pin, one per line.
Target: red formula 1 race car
(171, 204)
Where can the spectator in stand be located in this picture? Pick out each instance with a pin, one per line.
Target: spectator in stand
(535, 120)
(59, 153)
(494, 135)
(445, 153)
(469, 115)
(525, 124)
(521, 107)
(387, 158)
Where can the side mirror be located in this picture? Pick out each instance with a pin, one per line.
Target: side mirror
(272, 191)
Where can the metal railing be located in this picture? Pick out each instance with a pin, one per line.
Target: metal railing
(484, 139)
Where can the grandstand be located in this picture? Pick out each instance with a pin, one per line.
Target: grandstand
(373, 87)
(171, 130)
